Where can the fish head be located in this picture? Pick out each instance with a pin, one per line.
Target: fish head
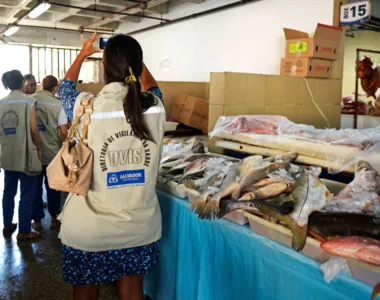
(286, 157)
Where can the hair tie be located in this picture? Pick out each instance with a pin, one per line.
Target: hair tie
(131, 77)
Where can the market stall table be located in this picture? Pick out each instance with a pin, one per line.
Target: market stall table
(204, 260)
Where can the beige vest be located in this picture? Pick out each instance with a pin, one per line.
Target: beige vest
(121, 210)
(18, 152)
(48, 109)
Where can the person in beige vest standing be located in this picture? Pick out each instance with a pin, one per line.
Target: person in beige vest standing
(49, 109)
(20, 154)
(30, 84)
(113, 234)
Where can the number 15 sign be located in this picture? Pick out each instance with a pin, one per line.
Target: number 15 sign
(357, 12)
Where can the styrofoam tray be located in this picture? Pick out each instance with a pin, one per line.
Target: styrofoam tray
(171, 126)
(173, 188)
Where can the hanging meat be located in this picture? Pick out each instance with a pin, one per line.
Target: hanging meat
(369, 76)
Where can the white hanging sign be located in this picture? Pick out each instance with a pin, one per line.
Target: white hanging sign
(357, 12)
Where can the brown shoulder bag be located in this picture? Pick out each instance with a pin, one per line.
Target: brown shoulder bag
(71, 169)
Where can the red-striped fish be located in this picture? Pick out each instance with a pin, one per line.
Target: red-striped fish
(361, 248)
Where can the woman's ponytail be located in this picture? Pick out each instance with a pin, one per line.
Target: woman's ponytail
(134, 111)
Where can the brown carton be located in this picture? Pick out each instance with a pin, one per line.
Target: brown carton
(191, 111)
(325, 43)
(306, 67)
(275, 95)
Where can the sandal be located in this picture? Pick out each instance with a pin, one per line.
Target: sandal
(10, 229)
(28, 236)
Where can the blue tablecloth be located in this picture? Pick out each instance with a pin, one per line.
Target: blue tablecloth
(203, 260)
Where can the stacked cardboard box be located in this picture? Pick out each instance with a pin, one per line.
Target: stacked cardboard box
(312, 56)
(253, 94)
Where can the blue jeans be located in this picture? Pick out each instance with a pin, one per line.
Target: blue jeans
(28, 193)
(53, 199)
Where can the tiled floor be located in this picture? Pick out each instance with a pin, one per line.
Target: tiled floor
(32, 271)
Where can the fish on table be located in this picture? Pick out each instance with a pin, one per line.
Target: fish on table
(309, 194)
(332, 224)
(356, 247)
(236, 172)
(267, 192)
(279, 205)
(196, 168)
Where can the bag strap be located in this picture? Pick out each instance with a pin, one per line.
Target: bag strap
(84, 110)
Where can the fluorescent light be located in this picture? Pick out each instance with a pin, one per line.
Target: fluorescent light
(39, 10)
(11, 30)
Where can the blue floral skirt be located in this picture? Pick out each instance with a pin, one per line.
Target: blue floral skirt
(95, 268)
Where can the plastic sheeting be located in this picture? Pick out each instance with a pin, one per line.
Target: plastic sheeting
(342, 148)
(203, 260)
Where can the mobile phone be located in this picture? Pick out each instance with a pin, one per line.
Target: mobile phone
(103, 42)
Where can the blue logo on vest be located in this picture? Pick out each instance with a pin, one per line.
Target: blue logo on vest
(41, 128)
(9, 131)
(124, 178)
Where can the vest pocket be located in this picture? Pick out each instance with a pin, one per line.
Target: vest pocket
(11, 157)
(34, 163)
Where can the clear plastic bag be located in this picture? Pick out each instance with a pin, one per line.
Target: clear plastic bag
(333, 267)
(248, 124)
(341, 148)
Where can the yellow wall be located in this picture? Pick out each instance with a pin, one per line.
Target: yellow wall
(364, 40)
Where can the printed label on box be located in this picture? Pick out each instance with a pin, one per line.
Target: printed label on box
(300, 47)
(125, 178)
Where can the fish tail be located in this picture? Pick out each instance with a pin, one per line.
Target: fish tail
(299, 237)
(189, 184)
(197, 206)
(211, 209)
(376, 291)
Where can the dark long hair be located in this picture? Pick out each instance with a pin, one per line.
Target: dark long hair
(121, 53)
(12, 80)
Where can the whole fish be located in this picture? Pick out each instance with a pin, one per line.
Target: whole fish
(280, 207)
(234, 174)
(195, 168)
(309, 194)
(256, 175)
(171, 156)
(356, 247)
(207, 190)
(267, 192)
(198, 147)
(287, 157)
(195, 156)
(366, 180)
(344, 224)
(178, 169)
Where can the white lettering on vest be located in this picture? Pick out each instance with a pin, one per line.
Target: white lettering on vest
(123, 157)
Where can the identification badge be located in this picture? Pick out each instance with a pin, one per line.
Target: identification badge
(298, 47)
(41, 128)
(125, 178)
(9, 131)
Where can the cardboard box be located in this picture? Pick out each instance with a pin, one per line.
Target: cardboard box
(234, 94)
(191, 111)
(306, 67)
(325, 43)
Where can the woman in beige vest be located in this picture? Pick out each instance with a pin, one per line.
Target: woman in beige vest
(113, 234)
(20, 154)
(49, 109)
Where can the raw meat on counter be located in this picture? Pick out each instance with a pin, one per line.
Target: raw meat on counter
(341, 148)
(364, 108)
